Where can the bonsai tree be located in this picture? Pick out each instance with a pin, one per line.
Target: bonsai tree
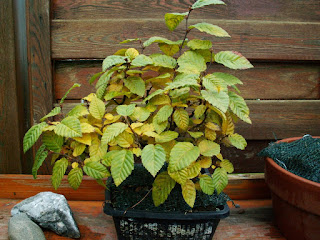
(167, 107)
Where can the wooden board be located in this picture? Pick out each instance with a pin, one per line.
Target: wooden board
(92, 39)
(274, 10)
(10, 151)
(274, 119)
(40, 69)
(23, 186)
(264, 81)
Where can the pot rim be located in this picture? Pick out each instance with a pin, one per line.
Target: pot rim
(286, 172)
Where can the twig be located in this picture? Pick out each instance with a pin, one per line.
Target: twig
(138, 202)
(136, 137)
(187, 31)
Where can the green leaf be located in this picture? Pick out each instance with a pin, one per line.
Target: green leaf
(130, 40)
(209, 148)
(94, 77)
(78, 111)
(214, 84)
(52, 141)
(125, 110)
(69, 127)
(191, 62)
(163, 114)
(112, 60)
(183, 80)
(181, 118)
(184, 174)
(160, 40)
(41, 155)
(233, 60)
(227, 165)
(196, 134)
(169, 49)
(174, 19)
(180, 92)
(161, 60)
(189, 192)
(207, 54)
(58, 172)
(136, 85)
(220, 179)
(97, 108)
(112, 131)
(32, 135)
(182, 155)
(199, 44)
(53, 112)
(238, 141)
(201, 3)
(66, 94)
(121, 166)
(107, 158)
(96, 170)
(199, 111)
(219, 100)
(161, 188)
(141, 114)
(166, 136)
(159, 126)
(75, 178)
(104, 79)
(239, 107)
(155, 93)
(141, 61)
(153, 157)
(227, 78)
(206, 184)
(210, 29)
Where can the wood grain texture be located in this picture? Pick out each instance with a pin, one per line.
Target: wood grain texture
(10, 150)
(274, 10)
(23, 186)
(264, 81)
(274, 119)
(281, 119)
(95, 39)
(40, 69)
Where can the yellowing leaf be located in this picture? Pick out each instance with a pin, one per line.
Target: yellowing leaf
(168, 49)
(210, 29)
(206, 184)
(78, 149)
(132, 53)
(213, 126)
(233, 60)
(227, 165)
(199, 44)
(161, 188)
(210, 134)
(182, 155)
(97, 108)
(195, 134)
(214, 84)
(205, 162)
(173, 19)
(153, 157)
(191, 62)
(181, 118)
(85, 139)
(238, 141)
(87, 128)
(189, 193)
(199, 111)
(124, 139)
(95, 149)
(166, 136)
(209, 148)
(141, 114)
(136, 151)
(228, 125)
(160, 100)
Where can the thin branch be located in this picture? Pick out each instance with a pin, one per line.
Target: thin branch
(187, 31)
(138, 202)
(136, 137)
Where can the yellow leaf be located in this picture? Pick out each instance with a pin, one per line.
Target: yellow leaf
(136, 151)
(109, 116)
(160, 100)
(205, 162)
(196, 121)
(85, 139)
(209, 148)
(115, 87)
(219, 156)
(78, 149)
(213, 126)
(124, 139)
(90, 97)
(87, 128)
(75, 165)
(210, 134)
(115, 118)
(189, 193)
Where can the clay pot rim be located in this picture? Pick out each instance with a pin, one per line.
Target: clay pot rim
(286, 172)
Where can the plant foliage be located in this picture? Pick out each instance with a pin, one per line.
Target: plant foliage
(165, 109)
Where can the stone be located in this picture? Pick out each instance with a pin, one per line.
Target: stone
(20, 227)
(51, 211)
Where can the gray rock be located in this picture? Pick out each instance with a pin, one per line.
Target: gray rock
(20, 227)
(49, 210)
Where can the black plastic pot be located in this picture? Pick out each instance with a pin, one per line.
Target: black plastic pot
(137, 224)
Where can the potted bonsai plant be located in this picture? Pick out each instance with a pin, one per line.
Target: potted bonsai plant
(292, 172)
(168, 111)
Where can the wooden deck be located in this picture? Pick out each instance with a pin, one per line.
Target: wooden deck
(252, 221)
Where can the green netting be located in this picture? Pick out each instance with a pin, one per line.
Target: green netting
(137, 185)
(301, 157)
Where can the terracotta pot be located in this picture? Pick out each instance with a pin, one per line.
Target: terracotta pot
(296, 202)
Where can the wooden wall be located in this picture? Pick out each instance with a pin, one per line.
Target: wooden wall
(280, 37)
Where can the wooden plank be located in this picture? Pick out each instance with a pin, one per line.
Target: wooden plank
(254, 39)
(23, 186)
(281, 119)
(40, 69)
(287, 81)
(284, 10)
(10, 151)
(274, 119)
